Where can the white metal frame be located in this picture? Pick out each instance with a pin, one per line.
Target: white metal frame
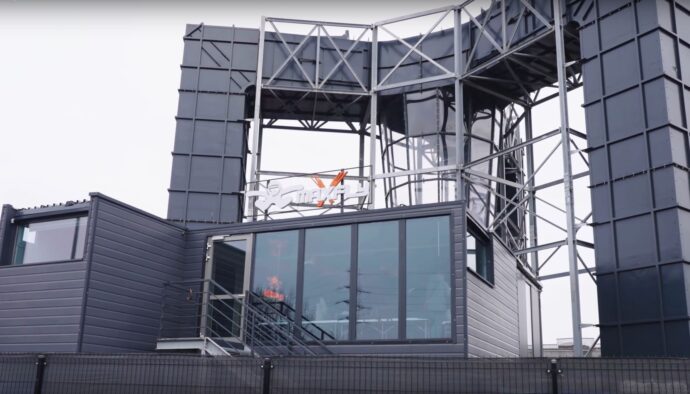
(464, 73)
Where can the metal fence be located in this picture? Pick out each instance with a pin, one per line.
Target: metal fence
(154, 373)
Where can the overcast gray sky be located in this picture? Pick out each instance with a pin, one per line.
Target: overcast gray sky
(88, 95)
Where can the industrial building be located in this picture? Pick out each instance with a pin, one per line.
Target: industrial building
(431, 244)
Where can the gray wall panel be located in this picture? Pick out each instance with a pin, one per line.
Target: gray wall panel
(492, 311)
(41, 307)
(133, 254)
(219, 64)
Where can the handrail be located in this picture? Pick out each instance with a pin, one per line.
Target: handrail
(229, 319)
(282, 304)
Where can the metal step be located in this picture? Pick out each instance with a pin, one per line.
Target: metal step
(204, 345)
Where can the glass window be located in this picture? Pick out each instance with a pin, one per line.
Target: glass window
(326, 299)
(428, 278)
(275, 266)
(479, 257)
(377, 281)
(48, 241)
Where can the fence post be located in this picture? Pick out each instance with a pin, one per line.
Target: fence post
(554, 371)
(267, 366)
(40, 368)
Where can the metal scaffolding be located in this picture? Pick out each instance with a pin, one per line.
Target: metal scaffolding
(506, 193)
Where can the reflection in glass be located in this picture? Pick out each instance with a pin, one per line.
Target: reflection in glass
(478, 260)
(326, 297)
(275, 267)
(55, 240)
(228, 265)
(377, 281)
(428, 278)
(229, 259)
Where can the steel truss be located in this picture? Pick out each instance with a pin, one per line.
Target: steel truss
(537, 73)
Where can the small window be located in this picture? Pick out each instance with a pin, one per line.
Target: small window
(479, 256)
(49, 241)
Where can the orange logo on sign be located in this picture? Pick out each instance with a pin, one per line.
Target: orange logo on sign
(338, 178)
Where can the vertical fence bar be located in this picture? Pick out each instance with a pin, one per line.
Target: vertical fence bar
(553, 371)
(40, 370)
(267, 366)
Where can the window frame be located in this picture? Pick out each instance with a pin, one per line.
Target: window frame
(485, 240)
(354, 252)
(27, 221)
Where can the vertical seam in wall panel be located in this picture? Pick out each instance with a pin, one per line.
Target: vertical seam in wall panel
(650, 177)
(225, 129)
(93, 217)
(612, 214)
(194, 116)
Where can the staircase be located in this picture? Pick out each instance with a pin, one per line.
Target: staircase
(201, 316)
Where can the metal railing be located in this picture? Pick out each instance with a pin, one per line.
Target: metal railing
(311, 330)
(238, 323)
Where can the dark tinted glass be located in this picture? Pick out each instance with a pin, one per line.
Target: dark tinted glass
(428, 278)
(377, 281)
(326, 305)
(275, 266)
(478, 257)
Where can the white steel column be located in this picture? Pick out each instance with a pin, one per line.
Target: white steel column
(568, 180)
(459, 108)
(373, 127)
(256, 127)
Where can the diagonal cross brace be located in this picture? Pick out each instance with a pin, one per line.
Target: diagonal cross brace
(343, 58)
(292, 55)
(414, 48)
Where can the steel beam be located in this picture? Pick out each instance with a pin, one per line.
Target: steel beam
(256, 127)
(373, 113)
(568, 181)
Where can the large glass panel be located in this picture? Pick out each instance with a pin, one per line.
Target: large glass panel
(428, 278)
(55, 240)
(377, 281)
(275, 267)
(326, 305)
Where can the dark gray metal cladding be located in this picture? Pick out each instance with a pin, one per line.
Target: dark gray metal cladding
(209, 157)
(637, 89)
(41, 304)
(133, 253)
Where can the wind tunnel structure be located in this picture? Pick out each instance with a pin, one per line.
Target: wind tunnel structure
(447, 117)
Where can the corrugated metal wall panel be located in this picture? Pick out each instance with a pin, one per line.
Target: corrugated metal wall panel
(492, 312)
(133, 255)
